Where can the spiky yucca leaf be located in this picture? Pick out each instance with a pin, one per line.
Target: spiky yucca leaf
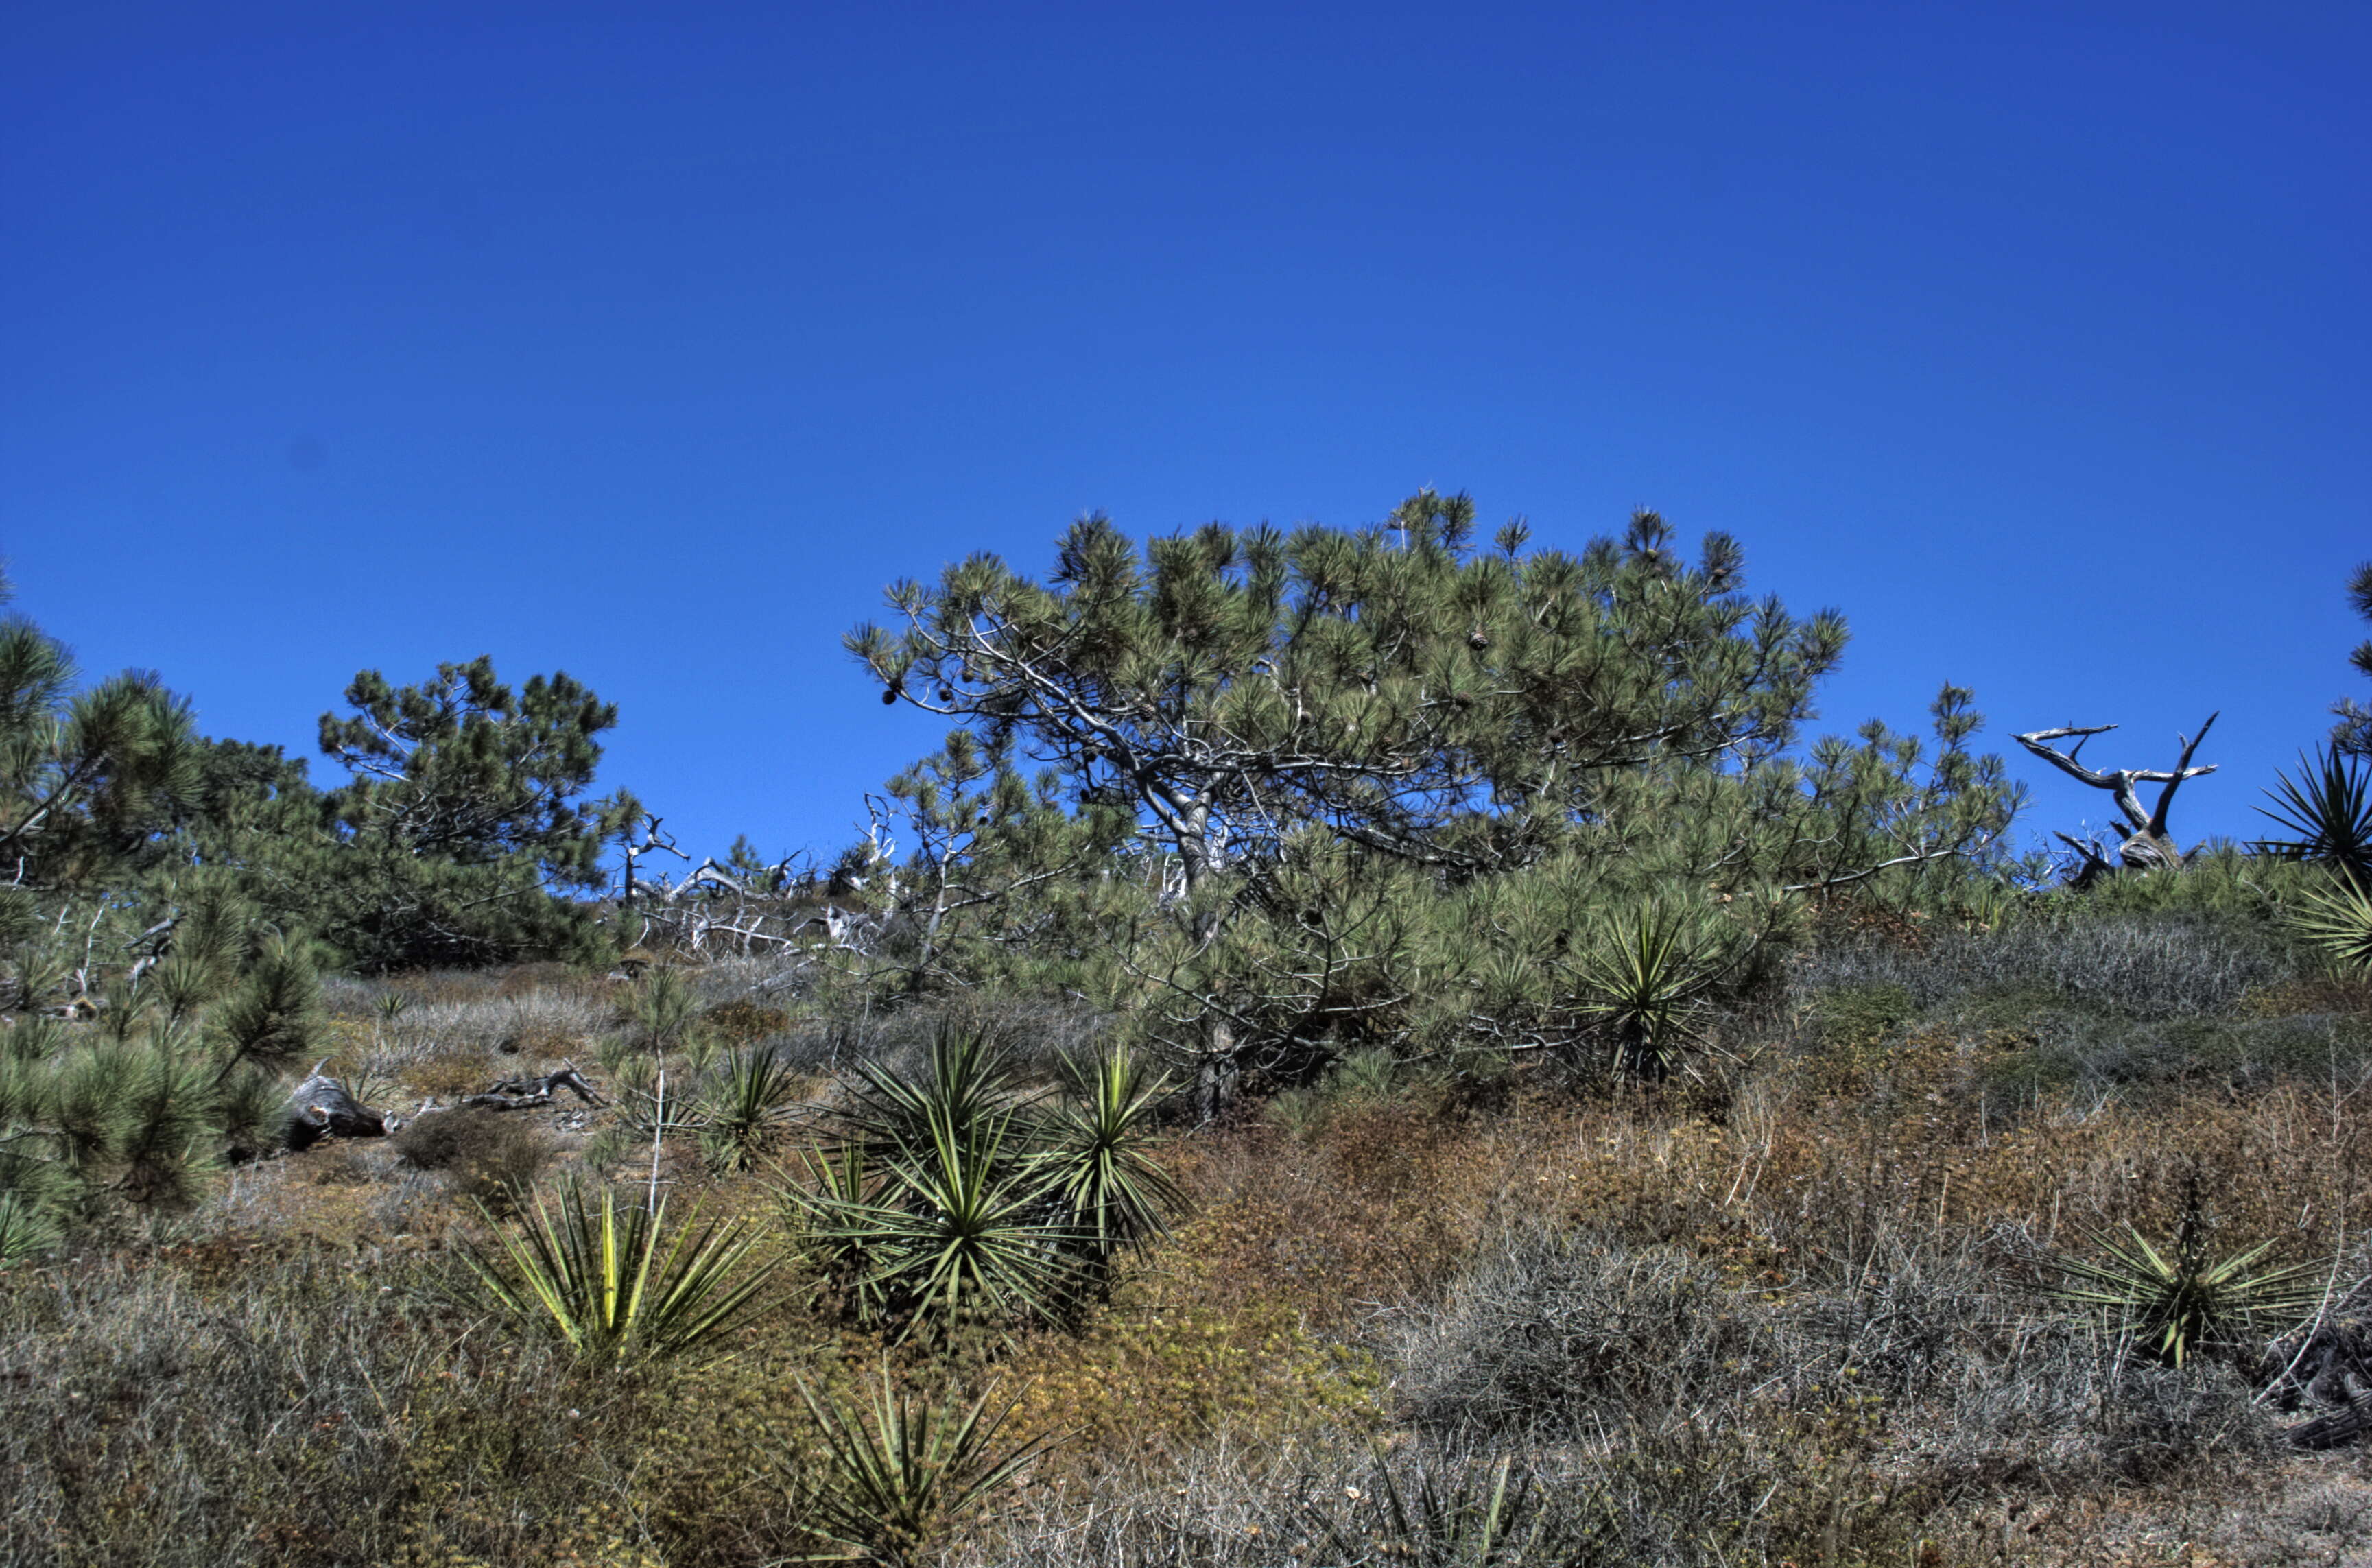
(751, 1099)
(829, 1206)
(958, 1227)
(24, 1229)
(2337, 922)
(1113, 1195)
(970, 1080)
(2171, 1301)
(1644, 979)
(598, 1274)
(898, 1481)
(2327, 809)
(1470, 1516)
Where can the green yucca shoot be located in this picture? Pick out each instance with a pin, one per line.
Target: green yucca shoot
(830, 1207)
(2337, 922)
(1474, 1517)
(2327, 809)
(970, 1080)
(896, 1482)
(24, 1229)
(752, 1098)
(958, 1226)
(1096, 1153)
(2172, 1301)
(1644, 979)
(600, 1275)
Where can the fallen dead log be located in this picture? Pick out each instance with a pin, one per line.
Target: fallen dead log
(523, 1093)
(320, 1108)
(2333, 1431)
(2330, 1365)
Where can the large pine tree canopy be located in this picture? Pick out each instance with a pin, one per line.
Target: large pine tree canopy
(1388, 783)
(1447, 707)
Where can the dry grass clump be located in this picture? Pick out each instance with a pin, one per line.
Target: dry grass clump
(488, 1155)
(263, 1408)
(743, 1022)
(1557, 1332)
(2136, 965)
(1798, 1311)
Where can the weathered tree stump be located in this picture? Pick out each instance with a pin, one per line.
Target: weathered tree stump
(2148, 846)
(320, 1108)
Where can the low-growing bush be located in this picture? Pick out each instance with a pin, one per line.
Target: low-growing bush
(489, 1156)
(1561, 1333)
(2141, 965)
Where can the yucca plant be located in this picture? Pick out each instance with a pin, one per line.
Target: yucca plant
(617, 1283)
(828, 1200)
(970, 1079)
(1096, 1152)
(24, 1229)
(1470, 1518)
(750, 1099)
(2172, 1301)
(2327, 809)
(2337, 922)
(958, 1227)
(899, 1481)
(1644, 979)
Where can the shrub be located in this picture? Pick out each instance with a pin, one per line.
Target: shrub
(1555, 1331)
(896, 1482)
(599, 1275)
(2143, 966)
(486, 1156)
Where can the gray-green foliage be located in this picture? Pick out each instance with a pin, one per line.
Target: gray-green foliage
(89, 778)
(950, 1199)
(462, 816)
(142, 1105)
(136, 1118)
(183, 1065)
(2353, 733)
(25, 1230)
(1301, 792)
(1455, 707)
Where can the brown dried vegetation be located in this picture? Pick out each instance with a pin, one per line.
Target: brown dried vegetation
(1796, 1312)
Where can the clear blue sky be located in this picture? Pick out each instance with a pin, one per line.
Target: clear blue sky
(651, 342)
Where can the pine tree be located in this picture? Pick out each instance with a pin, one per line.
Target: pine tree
(463, 818)
(2353, 733)
(1465, 711)
(1332, 736)
(88, 779)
